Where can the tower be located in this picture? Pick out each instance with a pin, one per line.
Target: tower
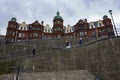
(58, 30)
(108, 24)
(12, 30)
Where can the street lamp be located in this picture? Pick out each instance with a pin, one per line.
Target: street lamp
(28, 38)
(110, 11)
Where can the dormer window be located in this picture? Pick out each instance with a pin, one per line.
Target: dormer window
(100, 24)
(24, 28)
(91, 26)
(45, 30)
(48, 30)
(21, 28)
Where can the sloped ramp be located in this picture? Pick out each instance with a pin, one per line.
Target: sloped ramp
(57, 75)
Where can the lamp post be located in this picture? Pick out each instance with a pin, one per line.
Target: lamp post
(28, 38)
(110, 11)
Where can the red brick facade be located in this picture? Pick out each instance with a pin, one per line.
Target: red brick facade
(15, 31)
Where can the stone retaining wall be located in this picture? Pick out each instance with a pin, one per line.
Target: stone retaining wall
(57, 75)
(101, 58)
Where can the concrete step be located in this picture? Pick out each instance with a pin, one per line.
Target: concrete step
(57, 75)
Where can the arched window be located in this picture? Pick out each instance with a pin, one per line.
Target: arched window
(13, 33)
(91, 26)
(45, 30)
(21, 28)
(58, 36)
(100, 24)
(58, 29)
(30, 35)
(35, 34)
(24, 28)
(20, 35)
(48, 30)
(55, 29)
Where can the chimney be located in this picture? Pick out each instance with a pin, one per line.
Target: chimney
(85, 20)
(42, 23)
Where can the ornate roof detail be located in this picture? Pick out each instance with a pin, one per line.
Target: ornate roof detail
(24, 24)
(13, 19)
(105, 17)
(58, 16)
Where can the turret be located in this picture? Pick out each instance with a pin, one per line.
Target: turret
(12, 29)
(58, 25)
(108, 24)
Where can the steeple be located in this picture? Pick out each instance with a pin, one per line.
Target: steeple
(58, 13)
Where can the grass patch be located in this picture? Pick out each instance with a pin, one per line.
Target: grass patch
(5, 67)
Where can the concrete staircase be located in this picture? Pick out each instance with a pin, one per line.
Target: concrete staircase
(101, 57)
(57, 75)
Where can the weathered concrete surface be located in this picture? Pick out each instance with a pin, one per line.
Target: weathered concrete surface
(57, 75)
(101, 59)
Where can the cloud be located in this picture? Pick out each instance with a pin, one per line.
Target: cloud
(71, 11)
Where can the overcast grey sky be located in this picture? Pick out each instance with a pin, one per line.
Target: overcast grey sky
(70, 10)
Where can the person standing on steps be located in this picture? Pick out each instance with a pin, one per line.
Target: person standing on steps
(81, 41)
(34, 49)
(66, 43)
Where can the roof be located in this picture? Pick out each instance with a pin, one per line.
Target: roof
(13, 19)
(58, 16)
(105, 17)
